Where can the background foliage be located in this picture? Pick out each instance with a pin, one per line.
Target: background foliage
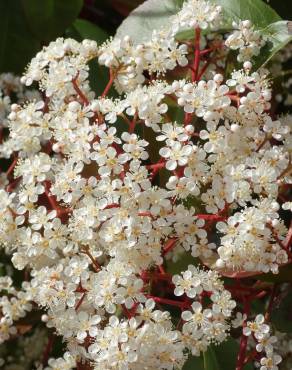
(28, 25)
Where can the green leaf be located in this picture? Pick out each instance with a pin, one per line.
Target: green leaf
(221, 357)
(284, 275)
(17, 45)
(49, 19)
(194, 363)
(152, 14)
(262, 16)
(80, 30)
(277, 36)
(182, 263)
(282, 7)
(281, 316)
(226, 354)
(257, 11)
(210, 359)
(88, 30)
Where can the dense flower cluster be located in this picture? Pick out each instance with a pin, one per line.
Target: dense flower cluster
(264, 342)
(245, 38)
(83, 213)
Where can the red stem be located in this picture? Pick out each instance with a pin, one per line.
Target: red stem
(243, 343)
(169, 302)
(271, 302)
(92, 259)
(133, 123)
(203, 70)
(79, 92)
(155, 168)
(11, 167)
(109, 84)
(48, 350)
(79, 303)
(211, 217)
(288, 239)
(197, 55)
(169, 245)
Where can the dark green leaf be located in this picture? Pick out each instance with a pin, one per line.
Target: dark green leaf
(194, 363)
(210, 360)
(282, 7)
(284, 275)
(17, 44)
(150, 15)
(226, 354)
(49, 19)
(153, 14)
(257, 11)
(80, 30)
(184, 260)
(222, 357)
(282, 315)
(88, 30)
(277, 36)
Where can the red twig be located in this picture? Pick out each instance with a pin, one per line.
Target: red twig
(79, 92)
(271, 302)
(79, 303)
(203, 70)
(243, 342)
(109, 84)
(169, 302)
(48, 350)
(92, 259)
(197, 55)
(11, 167)
(169, 245)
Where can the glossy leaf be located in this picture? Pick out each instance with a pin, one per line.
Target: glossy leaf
(257, 11)
(282, 7)
(17, 44)
(150, 15)
(88, 30)
(194, 363)
(49, 19)
(153, 14)
(278, 36)
(221, 357)
(80, 30)
(282, 315)
(284, 275)
(210, 360)
(226, 354)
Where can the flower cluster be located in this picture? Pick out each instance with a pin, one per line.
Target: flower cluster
(245, 38)
(264, 342)
(203, 326)
(102, 194)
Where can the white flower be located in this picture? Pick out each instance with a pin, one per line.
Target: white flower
(40, 217)
(223, 303)
(197, 318)
(287, 206)
(270, 362)
(239, 320)
(176, 155)
(275, 128)
(87, 325)
(171, 133)
(134, 147)
(197, 13)
(257, 327)
(189, 283)
(245, 38)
